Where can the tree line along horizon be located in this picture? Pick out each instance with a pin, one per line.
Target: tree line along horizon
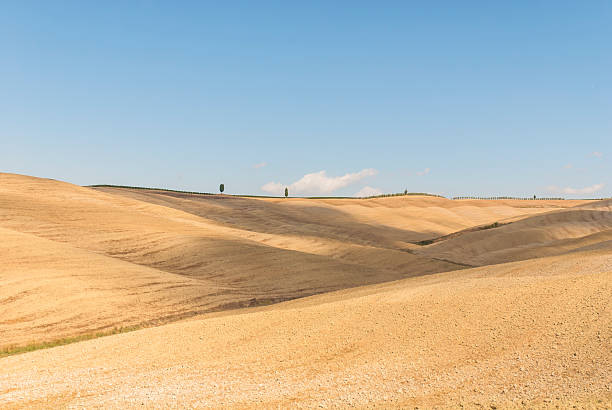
(222, 189)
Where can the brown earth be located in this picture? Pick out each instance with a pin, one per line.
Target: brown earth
(78, 260)
(534, 329)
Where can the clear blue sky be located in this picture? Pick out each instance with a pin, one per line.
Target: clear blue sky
(475, 98)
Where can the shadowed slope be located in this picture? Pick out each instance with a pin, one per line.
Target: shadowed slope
(533, 333)
(52, 290)
(391, 222)
(77, 259)
(584, 227)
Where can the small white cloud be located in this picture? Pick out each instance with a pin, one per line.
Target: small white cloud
(597, 154)
(423, 172)
(568, 166)
(274, 188)
(576, 191)
(260, 165)
(319, 182)
(368, 191)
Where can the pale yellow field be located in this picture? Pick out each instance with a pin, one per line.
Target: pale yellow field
(515, 315)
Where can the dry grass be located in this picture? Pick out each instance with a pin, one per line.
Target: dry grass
(14, 350)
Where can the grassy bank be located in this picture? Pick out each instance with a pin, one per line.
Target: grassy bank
(13, 350)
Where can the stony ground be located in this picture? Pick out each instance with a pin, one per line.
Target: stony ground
(535, 333)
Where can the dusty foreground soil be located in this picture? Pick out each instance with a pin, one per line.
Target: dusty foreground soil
(534, 333)
(516, 314)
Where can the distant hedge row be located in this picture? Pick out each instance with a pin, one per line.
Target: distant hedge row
(402, 194)
(509, 197)
(150, 189)
(337, 197)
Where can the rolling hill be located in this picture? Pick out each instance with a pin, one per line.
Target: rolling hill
(384, 302)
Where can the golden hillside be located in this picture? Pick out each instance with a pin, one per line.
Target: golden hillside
(533, 333)
(78, 260)
(484, 315)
